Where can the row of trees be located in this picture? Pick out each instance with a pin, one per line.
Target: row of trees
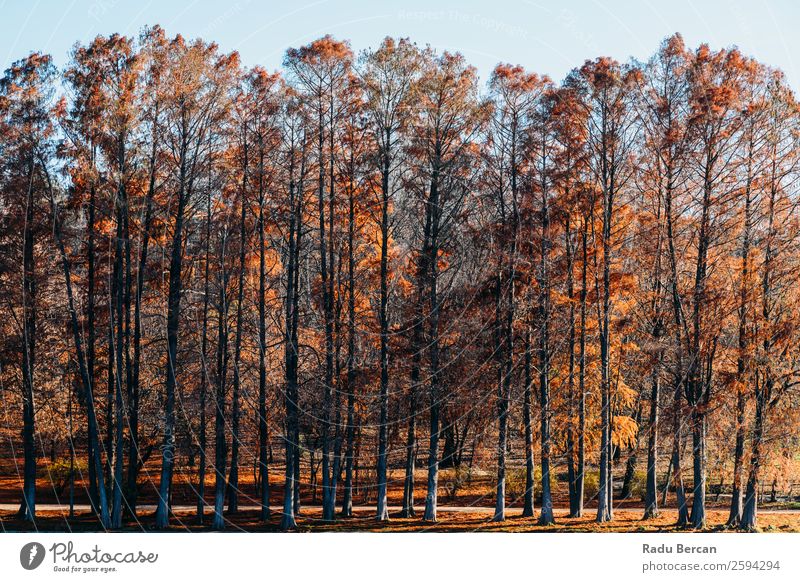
(369, 251)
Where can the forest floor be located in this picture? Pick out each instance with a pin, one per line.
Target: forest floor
(465, 505)
(450, 519)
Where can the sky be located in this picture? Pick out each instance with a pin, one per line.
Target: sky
(544, 36)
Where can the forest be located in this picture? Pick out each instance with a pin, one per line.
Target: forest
(371, 286)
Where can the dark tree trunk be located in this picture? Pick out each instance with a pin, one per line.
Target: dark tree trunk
(220, 442)
(570, 444)
(291, 504)
(173, 321)
(698, 516)
(633, 456)
(347, 498)
(605, 492)
(432, 268)
(263, 434)
(93, 439)
(28, 507)
(134, 456)
(201, 475)
(502, 405)
(651, 485)
(527, 509)
(233, 479)
(417, 349)
(546, 513)
(749, 520)
(117, 335)
(86, 382)
(735, 514)
(677, 409)
(382, 505)
(737, 501)
(581, 468)
(677, 472)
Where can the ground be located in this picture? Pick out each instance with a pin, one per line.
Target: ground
(450, 519)
(465, 505)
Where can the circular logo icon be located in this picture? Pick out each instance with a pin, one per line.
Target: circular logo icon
(31, 555)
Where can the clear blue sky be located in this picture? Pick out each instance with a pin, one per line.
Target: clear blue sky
(545, 36)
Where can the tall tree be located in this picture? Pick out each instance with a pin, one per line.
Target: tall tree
(26, 94)
(197, 79)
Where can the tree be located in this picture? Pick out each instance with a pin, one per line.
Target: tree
(447, 123)
(26, 93)
(515, 93)
(605, 88)
(389, 76)
(662, 97)
(197, 82)
(321, 69)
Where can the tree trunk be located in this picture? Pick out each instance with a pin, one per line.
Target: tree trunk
(698, 516)
(233, 479)
(546, 513)
(347, 501)
(201, 475)
(28, 506)
(527, 509)
(86, 382)
(502, 406)
(173, 321)
(382, 506)
(117, 336)
(291, 346)
(263, 435)
(432, 267)
(220, 444)
(651, 485)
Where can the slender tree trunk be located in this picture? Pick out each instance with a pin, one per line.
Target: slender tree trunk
(698, 516)
(735, 514)
(117, 335)
(291, 346)
(263, 434)
(570, 444)
(133, 401)
(91, 340)
(749, 520)
(417, 349)
(527, 509)
(382, 505)
(633, 455)
(677, 472)
(605, 493)
(502, 406)
(651, 485)
(233, 479)
(86, 383)
(432, 267)
(347, 501)
(28, 507)
(546, 513)
(327, 307)
(201, 476)
(581, 468)
(220, 446)
(173, 321)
